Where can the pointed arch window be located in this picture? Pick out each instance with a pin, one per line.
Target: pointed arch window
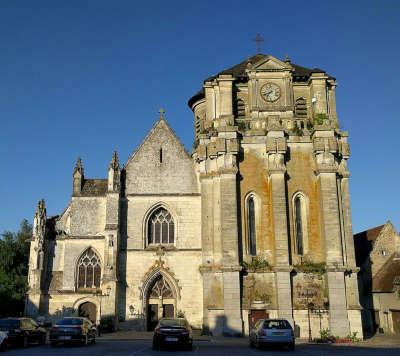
(161, 227)
(251, 226)
(300, 223)
(89, 270)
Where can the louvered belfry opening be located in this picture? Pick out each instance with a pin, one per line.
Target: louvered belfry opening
(301, 107)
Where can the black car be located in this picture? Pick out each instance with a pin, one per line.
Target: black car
(23, 331)
(173, 332)
(73, 330)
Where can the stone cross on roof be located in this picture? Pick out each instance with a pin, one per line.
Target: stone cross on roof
(258, 40)
(162, 112)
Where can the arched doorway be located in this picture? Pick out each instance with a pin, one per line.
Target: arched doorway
(88, 310)
(161, 301)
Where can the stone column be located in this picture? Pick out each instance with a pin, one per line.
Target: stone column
(210, 102)
(225, 97)
(230, 255)
(207, 214)
(326, 172)
(111, 242)
(353, 300)
(276, 149)
(318, 90)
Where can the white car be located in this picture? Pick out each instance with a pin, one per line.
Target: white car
(272, 332)
(3, 340)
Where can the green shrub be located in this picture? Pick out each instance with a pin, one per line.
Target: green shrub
(319, 119)
(326, 335)
(311, 267)
(256, 264)
(353, 337)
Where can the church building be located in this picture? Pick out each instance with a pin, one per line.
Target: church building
(255, 222)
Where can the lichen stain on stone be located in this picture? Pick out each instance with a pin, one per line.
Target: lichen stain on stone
(254, 179)
(300, 169)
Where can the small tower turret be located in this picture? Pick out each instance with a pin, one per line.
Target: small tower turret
(37, 261)
(78, 177)
(114, 174)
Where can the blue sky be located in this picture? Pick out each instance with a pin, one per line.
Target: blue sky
(82, 78)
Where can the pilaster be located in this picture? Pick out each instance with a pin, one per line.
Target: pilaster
(276, 150)
(326, 150)
(111, 242)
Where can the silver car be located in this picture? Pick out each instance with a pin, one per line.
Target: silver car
(272, 332)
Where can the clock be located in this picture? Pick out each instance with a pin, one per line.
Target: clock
(270, 92)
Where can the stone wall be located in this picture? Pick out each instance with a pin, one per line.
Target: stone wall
(160, 165)
(88, 216)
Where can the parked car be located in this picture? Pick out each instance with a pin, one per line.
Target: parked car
(173, 332)
(23, 331)
(73, 330)
(272, 332)
(3, 340)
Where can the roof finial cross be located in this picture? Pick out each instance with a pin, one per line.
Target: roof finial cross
(258, 40)
(162, 112)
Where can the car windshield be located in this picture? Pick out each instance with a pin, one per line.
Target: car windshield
(70, 321)
(9, 323)
(173, 322)
(276, 324)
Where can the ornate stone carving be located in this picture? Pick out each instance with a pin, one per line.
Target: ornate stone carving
(39, 223)
(78, 167)
(276, 145)
(114, 164)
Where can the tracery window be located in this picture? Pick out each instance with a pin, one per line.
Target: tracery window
(300, 223)
(89, 270)
(161, 288)
(160, 227)
(251, 226)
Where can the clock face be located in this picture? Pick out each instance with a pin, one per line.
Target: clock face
(270, 92)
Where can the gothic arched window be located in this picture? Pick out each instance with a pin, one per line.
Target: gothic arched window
(160, 227)
(301, 107)
(251, 226)
(89, 270)
(300, 223)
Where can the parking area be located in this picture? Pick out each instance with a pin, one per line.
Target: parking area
(227, 346)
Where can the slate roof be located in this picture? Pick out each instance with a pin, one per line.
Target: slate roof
(364, 243)
(384, 279)
(94, 187)
(238, 71)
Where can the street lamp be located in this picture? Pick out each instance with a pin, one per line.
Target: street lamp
(310, 305)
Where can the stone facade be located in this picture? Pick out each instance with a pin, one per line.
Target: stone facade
(225, 234)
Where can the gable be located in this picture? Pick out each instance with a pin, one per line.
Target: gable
(271, 63)
(161, 165)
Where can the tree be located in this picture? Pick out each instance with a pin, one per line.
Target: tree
(14, 258)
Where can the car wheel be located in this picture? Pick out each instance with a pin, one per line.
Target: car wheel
(25, 341)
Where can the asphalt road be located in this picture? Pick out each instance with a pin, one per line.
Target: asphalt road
(229, 347)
